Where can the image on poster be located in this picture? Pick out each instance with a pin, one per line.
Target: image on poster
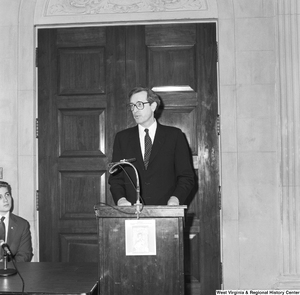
(140, 237)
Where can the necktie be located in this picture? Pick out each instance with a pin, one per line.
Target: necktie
(148, 147)
(2, 229)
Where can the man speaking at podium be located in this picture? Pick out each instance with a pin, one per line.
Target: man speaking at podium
(159, 153)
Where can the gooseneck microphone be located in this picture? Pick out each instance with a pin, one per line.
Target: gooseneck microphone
(113, 167)
(121, 161)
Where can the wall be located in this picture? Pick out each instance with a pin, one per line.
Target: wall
(17, 105)
(249, 108)
(250, 165)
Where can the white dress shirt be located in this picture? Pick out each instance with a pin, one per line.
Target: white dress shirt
(6, 222)
(152, 131)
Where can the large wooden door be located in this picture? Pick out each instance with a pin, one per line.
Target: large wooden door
(80, 83)
(84, 77)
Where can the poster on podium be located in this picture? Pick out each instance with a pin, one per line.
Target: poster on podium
(140, 237)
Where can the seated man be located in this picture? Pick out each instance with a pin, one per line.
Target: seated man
(14, 230)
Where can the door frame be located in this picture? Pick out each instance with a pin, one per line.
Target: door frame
(160, 22)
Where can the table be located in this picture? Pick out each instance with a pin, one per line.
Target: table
(52, 278)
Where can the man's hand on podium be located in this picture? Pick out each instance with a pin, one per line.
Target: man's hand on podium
(123, 202)
(173, 201)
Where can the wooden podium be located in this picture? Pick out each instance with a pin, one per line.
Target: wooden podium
(140, 254)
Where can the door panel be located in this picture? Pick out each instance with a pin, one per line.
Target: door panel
(84, 77)
(87, 68)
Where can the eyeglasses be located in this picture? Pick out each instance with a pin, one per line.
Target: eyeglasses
(139, 105)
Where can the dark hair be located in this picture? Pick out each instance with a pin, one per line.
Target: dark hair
(5, 184)
(151, 95)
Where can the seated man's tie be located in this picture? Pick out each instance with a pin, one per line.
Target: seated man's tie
(2, 229)
(2, 234)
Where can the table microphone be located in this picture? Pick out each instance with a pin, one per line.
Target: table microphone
(5, 272)
(5, 247)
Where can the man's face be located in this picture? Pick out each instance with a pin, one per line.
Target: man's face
(5, 200)
(144, 117)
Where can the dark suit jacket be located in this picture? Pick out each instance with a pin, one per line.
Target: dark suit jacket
(169, 173)
(19, 238)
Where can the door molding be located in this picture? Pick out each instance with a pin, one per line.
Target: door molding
(52, 12)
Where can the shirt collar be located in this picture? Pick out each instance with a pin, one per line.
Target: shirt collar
(151, 128)
(6, 215)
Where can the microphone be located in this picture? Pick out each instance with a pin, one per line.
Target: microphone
(114, 164)
(113, 167)
(5, 247)
(122, 161)
(5, 272)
